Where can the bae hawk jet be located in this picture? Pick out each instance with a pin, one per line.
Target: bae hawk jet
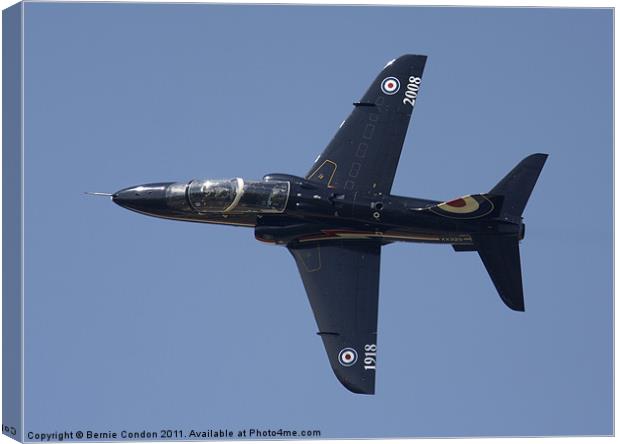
(336, 218)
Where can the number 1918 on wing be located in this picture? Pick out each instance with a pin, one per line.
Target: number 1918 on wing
(370, 357)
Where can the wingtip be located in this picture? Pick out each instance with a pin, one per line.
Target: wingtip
(518, 308)
(368, 389)
(355, 379)
(420, 58)
(424, 56)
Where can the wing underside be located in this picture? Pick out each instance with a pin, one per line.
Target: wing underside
(341, 279)
(363, 155)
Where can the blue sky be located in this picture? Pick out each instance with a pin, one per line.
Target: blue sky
(136, 322)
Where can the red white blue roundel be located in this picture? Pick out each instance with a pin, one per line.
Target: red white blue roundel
(347, 357)
(466, 207)
(390, 85)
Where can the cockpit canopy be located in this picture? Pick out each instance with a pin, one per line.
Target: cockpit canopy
(238, 196)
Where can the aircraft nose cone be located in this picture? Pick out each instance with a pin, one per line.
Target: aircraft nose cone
(149, 198)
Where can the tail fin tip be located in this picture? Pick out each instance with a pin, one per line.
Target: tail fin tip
(517, 185)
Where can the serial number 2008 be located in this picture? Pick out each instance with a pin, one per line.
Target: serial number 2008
(412, 90)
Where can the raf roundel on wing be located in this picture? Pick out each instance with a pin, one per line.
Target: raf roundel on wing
(390, 86)
(347, 357)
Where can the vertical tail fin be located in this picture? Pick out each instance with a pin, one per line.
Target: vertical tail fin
(517, 186)
(500, 253)
(500, 256)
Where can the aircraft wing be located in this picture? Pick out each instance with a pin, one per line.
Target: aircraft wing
(342, 282)
(364, 153)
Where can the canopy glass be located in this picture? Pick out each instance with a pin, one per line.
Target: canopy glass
(238, 196)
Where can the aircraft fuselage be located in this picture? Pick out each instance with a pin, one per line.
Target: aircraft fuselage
(336, 219)
(310, 213)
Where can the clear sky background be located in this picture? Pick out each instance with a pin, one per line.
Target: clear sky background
(140, 323)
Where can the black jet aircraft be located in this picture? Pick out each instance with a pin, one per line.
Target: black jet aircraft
(336, 218)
